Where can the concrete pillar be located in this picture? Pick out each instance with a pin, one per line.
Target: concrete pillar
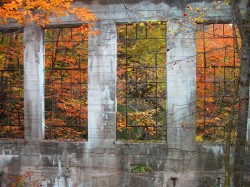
(181, 84)
(33, 82)
(102, 85)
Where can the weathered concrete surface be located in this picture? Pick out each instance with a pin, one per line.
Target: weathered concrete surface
(100, 162)
(33, 82)
(102, 85)
(181, 84)
(75, 164)
(59, 164)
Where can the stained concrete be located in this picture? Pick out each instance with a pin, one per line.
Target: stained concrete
(102, 161)
(34, 82)
(57, 163)
(181, 84)
(76, 164)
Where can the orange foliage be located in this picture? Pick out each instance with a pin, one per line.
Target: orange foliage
(66, 83)
(217, 75)
(40, 11)
(11, 85)
(66, 89)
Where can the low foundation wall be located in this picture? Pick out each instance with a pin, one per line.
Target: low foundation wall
(77, 164)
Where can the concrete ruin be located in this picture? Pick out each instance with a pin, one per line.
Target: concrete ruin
(103, 161)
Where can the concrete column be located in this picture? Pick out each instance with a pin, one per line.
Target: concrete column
(33, 82)
(102, 85)
(181, 85)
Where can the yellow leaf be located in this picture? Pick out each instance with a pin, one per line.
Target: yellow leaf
(218, 119)
(199, 138)
(141, 24)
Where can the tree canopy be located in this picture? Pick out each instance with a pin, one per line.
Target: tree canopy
(40, 11)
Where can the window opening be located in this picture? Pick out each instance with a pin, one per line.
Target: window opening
(141, 81)
(217, 80)
(11, 84)
(66, 78)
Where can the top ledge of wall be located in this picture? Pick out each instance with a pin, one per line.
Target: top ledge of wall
(140, 144)
(27, 142)
(23, 141)
(122, 11)
(177, 3)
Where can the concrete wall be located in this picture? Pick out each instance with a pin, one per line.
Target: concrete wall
(61, 164)
(75, 164)
(102, 161)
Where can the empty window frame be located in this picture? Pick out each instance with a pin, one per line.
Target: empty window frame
(66, 78)
(141, 81)
(217, 80)
(11, 84)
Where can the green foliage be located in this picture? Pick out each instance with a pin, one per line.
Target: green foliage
(141, 168)
(141, 83)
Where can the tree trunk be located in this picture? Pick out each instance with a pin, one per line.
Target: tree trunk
(239, 158)
(227, 155)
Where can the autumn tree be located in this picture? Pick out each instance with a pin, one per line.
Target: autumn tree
(66, 79)
(243, 23)
(11, 85)
(66, 47)
(141, 81)
(217, 86)
(41, 11)
(240, 19)
(217, 80)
